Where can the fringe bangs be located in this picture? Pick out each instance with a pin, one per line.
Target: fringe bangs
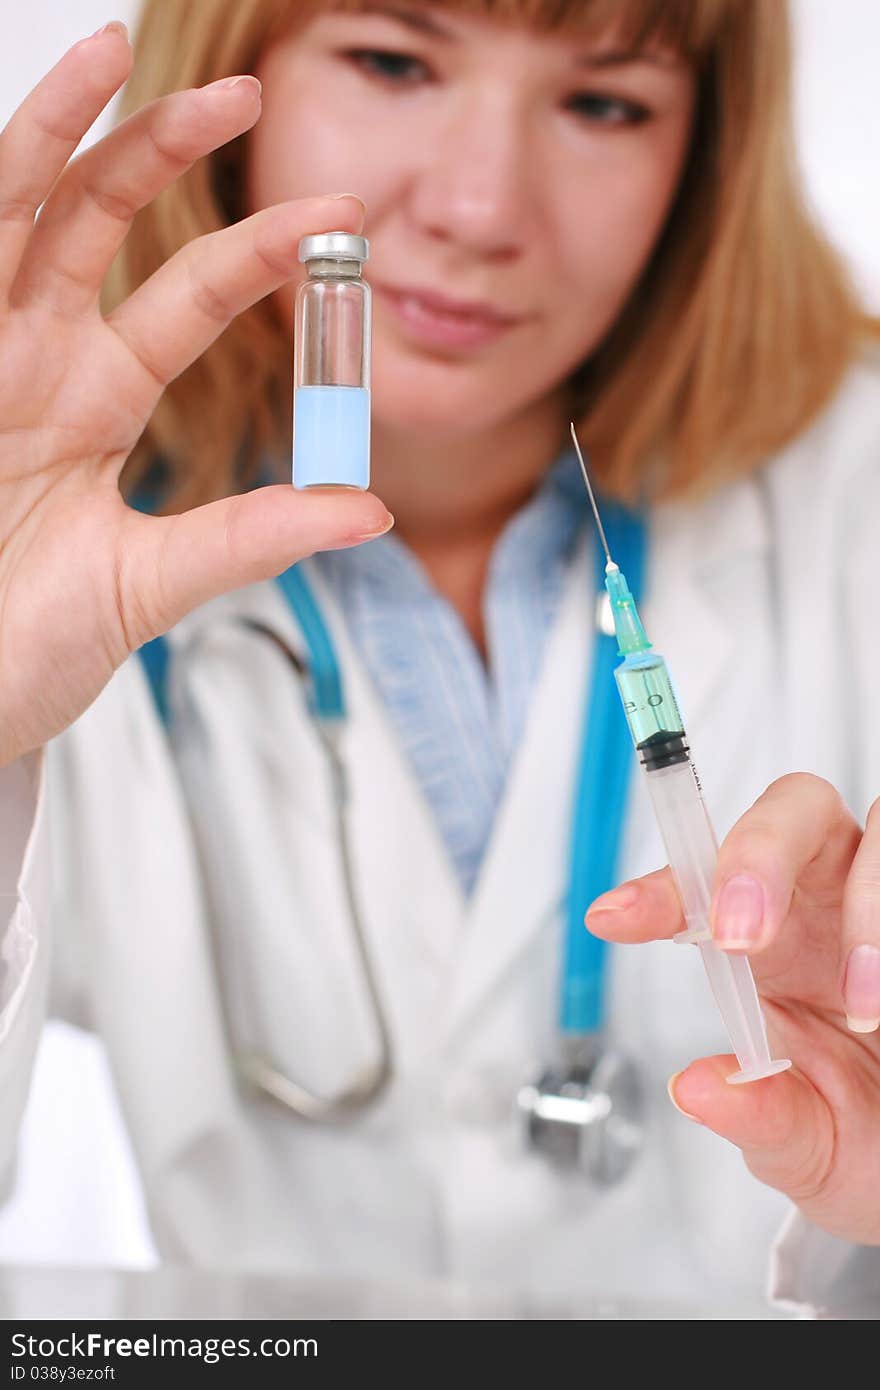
(689, 28)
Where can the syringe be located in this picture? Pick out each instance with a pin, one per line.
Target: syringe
(658, 733)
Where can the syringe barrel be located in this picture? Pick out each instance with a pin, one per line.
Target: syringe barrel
(657, 730)
(692, 850)
(691, 846)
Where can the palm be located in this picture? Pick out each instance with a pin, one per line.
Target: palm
(801, 966)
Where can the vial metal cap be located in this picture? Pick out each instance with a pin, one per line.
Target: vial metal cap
(334, 246)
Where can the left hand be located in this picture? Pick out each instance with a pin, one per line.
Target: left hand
(797, 887)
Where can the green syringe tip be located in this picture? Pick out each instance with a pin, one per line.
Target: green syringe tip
(631, 636)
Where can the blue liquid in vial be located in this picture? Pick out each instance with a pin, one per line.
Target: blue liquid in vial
(331, 436)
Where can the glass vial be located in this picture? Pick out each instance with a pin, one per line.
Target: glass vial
(331, 397)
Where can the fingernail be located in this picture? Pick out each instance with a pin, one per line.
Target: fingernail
(356, 199)
(670, 1086)
(375, 532)
(619, 900)
(861, 989)
(226, 82)
(739, 914)
(115, 25)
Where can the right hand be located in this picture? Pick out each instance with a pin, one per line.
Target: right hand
(84, 579)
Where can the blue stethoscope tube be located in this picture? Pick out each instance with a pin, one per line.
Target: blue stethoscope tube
(600, 794)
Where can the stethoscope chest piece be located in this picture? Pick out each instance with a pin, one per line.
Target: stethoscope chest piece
(586, 1112)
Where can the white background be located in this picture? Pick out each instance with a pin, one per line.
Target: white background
(92, 1217)
(837, 113)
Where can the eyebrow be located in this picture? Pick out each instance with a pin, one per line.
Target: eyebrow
(418, 19)
(624, 58)
(423, 22)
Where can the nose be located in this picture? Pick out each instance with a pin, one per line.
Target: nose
(474, 187)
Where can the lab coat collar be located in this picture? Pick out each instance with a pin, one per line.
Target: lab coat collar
(694, 546)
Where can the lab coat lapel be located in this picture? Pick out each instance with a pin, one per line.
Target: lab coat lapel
(520, 887)
(149, 964)
(687, 614)
(413, 906)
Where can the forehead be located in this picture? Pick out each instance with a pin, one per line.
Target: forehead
(687, 27)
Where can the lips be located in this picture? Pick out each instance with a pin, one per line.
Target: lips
(442, 305)
(438, 320)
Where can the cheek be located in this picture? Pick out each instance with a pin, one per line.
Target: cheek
(306, 141)
(608, 229)
(298, 153)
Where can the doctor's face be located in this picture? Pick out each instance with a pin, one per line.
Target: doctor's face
(515, 186)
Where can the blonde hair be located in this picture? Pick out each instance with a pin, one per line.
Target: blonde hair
(734, 338)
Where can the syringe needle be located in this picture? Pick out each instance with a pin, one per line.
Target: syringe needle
(592, 498)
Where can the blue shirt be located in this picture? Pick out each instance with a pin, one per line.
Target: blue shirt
(458, 720)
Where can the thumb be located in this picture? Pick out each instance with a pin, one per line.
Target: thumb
(781, 1123)
(179, 562)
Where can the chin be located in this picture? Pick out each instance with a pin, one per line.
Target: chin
(443, 397)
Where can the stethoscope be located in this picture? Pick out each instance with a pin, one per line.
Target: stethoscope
(584, 1112)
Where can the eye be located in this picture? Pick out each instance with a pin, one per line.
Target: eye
(400, 69)
(604, 110)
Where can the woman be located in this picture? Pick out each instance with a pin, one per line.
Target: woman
(594, 218)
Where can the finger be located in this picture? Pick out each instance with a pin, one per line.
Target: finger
(781, 1123)
(861, 931)
(172, 564)
(645, 909)
(43, 132)
(87, 216)
(798, 832)
(178, 312)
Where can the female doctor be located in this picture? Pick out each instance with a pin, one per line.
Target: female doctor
(595, 218)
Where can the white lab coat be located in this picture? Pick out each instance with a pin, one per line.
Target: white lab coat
(196, 911)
